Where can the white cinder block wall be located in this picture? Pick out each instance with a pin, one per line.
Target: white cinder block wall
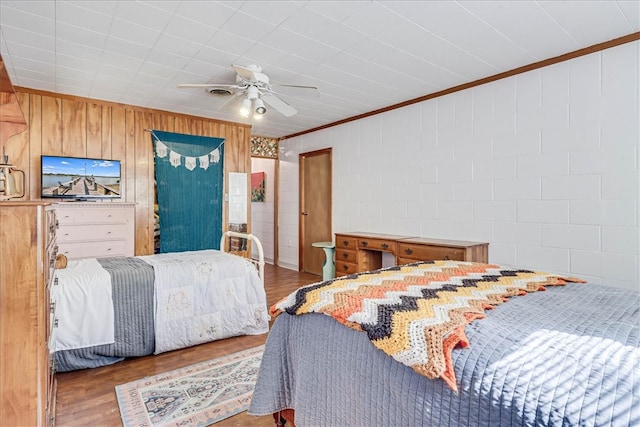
(543, 166)
(262, 213)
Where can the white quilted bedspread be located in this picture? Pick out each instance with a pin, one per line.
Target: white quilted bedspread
(202, 296)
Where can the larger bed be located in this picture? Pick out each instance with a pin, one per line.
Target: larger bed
(111, 308)
(567, 356)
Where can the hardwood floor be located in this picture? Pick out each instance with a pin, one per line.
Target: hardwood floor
(88, 398)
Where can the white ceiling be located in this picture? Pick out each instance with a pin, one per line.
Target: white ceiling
(362, 55)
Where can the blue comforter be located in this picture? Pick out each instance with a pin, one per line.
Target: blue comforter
(569, 356)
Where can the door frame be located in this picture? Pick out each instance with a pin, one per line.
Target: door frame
(301, 198)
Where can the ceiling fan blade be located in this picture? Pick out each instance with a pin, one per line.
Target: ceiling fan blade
(245, 72)
(251, 73)
(208, 85)
(295, 86)
(280, 105)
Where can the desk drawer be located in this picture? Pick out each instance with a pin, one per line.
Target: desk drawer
(343, 255)
(346, 242)
(377, 244)
(415, 252)
(345, 268)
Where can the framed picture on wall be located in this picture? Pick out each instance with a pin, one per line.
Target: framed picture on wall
(258, 187)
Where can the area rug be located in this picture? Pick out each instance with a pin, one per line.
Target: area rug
(197, 395)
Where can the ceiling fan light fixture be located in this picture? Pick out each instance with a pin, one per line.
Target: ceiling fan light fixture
(260, 108)
(245, 107)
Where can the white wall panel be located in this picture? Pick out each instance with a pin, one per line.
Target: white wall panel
(482, 190)
(543, 211)
(585, 162)
(494, 210)
(572, 187)
(621, 240)
(517, 189)
(584, 237)
(517, 233)
(502, 168)
(542, 258)
(543, 166)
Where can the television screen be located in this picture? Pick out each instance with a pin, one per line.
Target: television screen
(80, 178)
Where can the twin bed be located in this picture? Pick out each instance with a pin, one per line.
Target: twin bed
(111, 308)
(558, 353)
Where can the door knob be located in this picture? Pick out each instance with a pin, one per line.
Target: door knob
(305, 213)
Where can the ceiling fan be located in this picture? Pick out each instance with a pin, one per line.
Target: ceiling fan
(251, 90)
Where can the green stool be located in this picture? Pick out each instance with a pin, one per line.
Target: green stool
(329, 266)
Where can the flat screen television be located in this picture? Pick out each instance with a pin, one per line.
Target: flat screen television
(80, 178)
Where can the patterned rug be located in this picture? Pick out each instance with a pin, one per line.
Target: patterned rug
(196, 395)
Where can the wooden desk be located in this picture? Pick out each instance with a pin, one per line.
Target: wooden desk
(357, 252)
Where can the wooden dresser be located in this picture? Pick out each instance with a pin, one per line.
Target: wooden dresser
(357, 252)
(96, 230)
(27, 262)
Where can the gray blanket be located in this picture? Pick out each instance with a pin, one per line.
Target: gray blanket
(132, 293)
(568, 356)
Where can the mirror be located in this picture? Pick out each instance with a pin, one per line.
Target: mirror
(238, 196)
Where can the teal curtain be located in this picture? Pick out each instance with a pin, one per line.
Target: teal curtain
(189, 173)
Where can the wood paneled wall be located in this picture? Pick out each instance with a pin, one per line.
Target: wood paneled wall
(80, 127)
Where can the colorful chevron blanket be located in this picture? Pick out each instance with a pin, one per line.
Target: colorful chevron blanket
(417, 313)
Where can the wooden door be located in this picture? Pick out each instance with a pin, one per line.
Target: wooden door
(315, 208)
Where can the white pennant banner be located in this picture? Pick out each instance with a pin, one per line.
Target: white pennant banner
(189, 161)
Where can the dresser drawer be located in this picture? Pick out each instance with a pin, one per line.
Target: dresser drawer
(51, 404)
(51, 226)
(51, 323)
(93, 216)
(103, 249)
(377, 244)
(50, 262)
(93, 232)
(424, 252)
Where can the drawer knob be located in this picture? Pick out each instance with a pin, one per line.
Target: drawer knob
(446, 257)
(55, 281)
(345, 255)
(364, 243)
(52, 307)
(55, 323)
(408, 251)
(384, 245)
(345, 267)
(345, 242)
